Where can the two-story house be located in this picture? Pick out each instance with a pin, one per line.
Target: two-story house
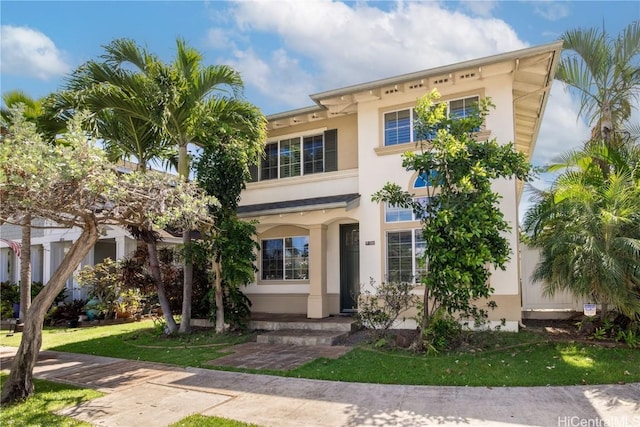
(322, 238)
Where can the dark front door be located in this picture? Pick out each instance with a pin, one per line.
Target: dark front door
(349, 266)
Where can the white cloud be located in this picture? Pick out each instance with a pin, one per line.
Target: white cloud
(30, 52)
(280, 77)
(560, 130)
(348, 44)
(551, 10)
(480, 7)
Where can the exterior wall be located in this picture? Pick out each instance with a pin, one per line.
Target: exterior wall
(365, 166)
(342, 181)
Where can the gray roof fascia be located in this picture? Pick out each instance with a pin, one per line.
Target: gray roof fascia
(297, 112)
(352, 203)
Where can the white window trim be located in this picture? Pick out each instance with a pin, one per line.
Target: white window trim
(414, 264)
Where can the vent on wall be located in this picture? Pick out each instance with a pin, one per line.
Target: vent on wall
(467, 76)
(416, 85)
(441, 81)
(392, 90)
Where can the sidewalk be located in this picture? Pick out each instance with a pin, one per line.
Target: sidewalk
(141, 393)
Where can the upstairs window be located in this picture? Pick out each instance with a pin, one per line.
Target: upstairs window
(298, 156)
(290, 157)
(462, 107)
(399, 125)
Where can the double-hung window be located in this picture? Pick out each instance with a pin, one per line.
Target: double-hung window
(289, 157)
(285, 258)
(399, 125)
(405, 255)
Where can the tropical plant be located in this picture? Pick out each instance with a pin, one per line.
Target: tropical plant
(462, 225)
(33, 112)
(604, 72)
(586, 226)
(73, 185)
(178, 100)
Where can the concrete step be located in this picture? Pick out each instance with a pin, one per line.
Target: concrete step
(302, 337)
(342, 324)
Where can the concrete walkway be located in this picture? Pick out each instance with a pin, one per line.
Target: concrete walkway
(151, 394)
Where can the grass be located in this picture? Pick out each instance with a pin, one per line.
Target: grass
(539, 364)
(137, 341)
(48, 397)
(202, 421)
(489, 359)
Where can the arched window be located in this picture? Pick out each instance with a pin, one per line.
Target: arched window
(425, 180)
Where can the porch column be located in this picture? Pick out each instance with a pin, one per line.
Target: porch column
(121, 247)
(317, 304)
(47, 262)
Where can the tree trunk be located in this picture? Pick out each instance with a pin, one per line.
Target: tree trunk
(19, 385)
(154, 269)
(25, 268)
(219, 297)
(187, 291)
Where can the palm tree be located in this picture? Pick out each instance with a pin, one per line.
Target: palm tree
(586, 226)
(604, 72)
(175, 99)
(121, 111)
(33, 112)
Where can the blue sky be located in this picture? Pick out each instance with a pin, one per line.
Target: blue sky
(287, 50)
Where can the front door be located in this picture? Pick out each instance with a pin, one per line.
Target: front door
(349, 267)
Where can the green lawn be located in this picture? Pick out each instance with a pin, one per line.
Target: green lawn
(202, 421)
(489, 359)
(48, 397)
(136, 341)
(545, 363)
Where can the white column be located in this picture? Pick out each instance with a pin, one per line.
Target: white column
(317, 302)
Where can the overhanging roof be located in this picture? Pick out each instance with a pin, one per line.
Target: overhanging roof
(345, 201)
(532, 70)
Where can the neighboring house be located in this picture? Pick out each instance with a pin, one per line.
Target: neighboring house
(49, 245)
(322, 237)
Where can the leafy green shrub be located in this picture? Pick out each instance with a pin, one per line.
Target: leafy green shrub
(443, 332)
(378, 311)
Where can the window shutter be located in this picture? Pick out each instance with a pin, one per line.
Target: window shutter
(331, 150)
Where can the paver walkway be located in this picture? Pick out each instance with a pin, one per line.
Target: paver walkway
(152, 394)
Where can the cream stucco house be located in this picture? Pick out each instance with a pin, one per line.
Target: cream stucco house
(322, 237)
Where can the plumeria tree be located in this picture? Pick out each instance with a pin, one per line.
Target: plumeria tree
(72, 184)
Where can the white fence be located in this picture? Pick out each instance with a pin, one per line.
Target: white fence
(534, 303)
